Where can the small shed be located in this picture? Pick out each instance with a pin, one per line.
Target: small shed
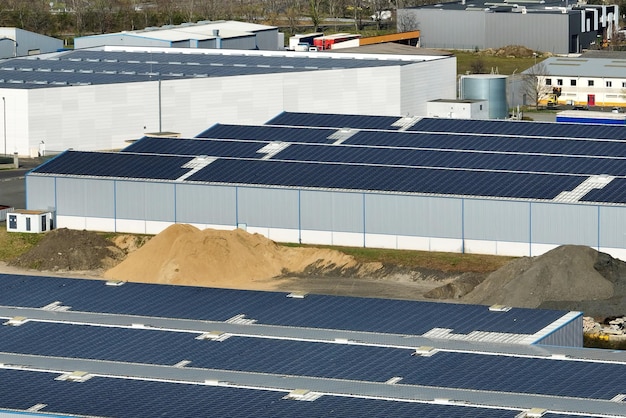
(33, 221)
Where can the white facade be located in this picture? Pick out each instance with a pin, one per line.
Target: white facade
(29, 221)
(458, 109)
(105, 116)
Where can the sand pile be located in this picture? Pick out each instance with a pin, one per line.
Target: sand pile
(567, 273)
(185, 255)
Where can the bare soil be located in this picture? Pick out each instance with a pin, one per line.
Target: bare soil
(568, 277)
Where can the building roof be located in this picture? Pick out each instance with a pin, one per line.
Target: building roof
(533, 6)
(135, 64)
(427, 156)
(144, 350)
(580, 67)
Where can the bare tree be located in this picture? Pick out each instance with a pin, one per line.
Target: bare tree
(315, 12)
(534, 83)
(407, 22)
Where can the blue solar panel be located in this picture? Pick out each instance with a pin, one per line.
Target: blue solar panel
(116, 165)
(101, 396)
(491, 143)
(384, 178)
(268, 133)
(321, 360)
(197, 147)
(106, 67)
(270, 308)
(334, 120)
(407, 157)
(614, 192)
(522, 128)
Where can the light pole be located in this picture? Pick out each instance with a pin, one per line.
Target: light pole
(4, 124)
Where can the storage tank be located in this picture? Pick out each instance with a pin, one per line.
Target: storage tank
(490, 87)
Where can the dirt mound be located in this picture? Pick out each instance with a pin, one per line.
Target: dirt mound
(567, 273)
(69, 250)
(183, 254)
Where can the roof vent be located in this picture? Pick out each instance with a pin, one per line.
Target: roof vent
(241, 319)
(424, 351)
(532, 413)
(499, 308)
(77, 376)
(55, 306)
(213, 336)
(302, 395)
(16, 321)
(297, 295)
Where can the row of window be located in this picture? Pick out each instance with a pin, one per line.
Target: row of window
(590, 83)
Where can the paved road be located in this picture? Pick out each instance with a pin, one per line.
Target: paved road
(13, 186)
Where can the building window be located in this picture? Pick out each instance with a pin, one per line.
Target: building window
(548, 81)
(624, 84)
(590, 83)
(559, 81)
(572, 83)
(609, 84)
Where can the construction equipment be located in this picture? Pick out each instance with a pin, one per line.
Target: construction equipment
(553, 97)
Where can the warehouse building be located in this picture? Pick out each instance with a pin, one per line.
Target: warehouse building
(477, 186)
(94, 348)
(220, 34)
(555, 26)
(99, 99)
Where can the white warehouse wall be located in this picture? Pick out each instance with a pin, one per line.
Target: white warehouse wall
(104, 117)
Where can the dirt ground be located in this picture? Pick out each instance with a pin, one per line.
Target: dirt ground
(568, 277)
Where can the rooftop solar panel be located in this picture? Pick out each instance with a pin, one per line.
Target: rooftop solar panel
(196, 147)
(518, 128)
(491, 143)
(270, 308)
(386, 178)
(100, 396)
(268, 133)
(116, 165)
(334, 120)
(323, 360)
(106, 67)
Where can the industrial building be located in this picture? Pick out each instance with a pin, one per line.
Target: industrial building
(99, 99)
(16, 42)
(477, 186)
(71, 347)
(555, 26)
(222, 34)
(584, 80)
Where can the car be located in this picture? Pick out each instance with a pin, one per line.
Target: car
(617, 110)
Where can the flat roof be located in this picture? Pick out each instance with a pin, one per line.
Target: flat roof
(518, 160)
(145, 349)
(108, 65)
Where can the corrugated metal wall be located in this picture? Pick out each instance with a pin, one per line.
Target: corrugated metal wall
(461, 29)
(331, 217)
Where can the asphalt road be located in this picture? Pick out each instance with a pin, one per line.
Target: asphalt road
(13, 185)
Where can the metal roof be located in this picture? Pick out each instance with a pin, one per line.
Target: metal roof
(581, 67)
(146, 350)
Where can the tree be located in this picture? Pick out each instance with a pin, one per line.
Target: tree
(534, 83)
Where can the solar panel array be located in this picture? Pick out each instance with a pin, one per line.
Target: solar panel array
(315, 311)
(106, 67)
(498, 164)
(85, 346)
